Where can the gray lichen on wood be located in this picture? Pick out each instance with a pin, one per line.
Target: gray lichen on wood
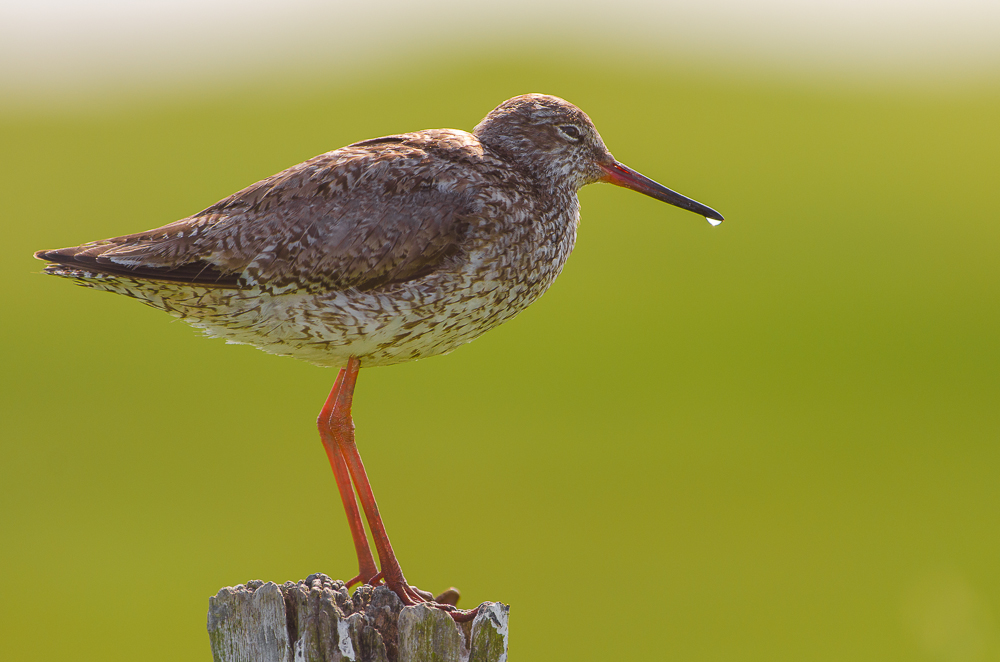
(317, 620)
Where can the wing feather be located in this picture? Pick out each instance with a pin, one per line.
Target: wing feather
(366, 216)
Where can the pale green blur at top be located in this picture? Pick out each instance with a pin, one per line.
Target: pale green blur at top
(772, 440)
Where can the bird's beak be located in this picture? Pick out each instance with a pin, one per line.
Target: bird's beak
(621, 175)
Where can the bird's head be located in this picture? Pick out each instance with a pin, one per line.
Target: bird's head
(558, 143)
(550, 137)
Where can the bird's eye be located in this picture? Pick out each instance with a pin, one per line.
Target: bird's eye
(570, 131)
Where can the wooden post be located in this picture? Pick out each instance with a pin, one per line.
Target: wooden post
(316, 620)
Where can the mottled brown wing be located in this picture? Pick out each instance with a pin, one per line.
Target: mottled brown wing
(160, 254)
(362, 217)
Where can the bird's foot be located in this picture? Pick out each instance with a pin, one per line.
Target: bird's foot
(411, 595)
(446, 601)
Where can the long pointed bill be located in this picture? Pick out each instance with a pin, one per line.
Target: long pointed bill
(622, 175)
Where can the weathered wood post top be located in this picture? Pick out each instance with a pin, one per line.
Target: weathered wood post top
(317, 620)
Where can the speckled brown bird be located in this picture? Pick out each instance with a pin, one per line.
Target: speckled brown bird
(387, 250)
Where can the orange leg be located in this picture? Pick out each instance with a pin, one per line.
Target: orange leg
(340, 427)
(366, 562)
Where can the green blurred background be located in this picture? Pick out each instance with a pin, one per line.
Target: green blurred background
(773, 440)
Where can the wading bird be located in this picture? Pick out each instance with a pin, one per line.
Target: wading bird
(387, 250)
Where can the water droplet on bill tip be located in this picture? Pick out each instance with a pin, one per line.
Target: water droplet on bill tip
(713, 222)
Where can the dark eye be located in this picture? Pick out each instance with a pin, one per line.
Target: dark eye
(570, 131)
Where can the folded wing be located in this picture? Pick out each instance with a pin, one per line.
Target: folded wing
(363, 217)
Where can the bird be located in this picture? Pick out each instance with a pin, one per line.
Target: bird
(384, 251)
